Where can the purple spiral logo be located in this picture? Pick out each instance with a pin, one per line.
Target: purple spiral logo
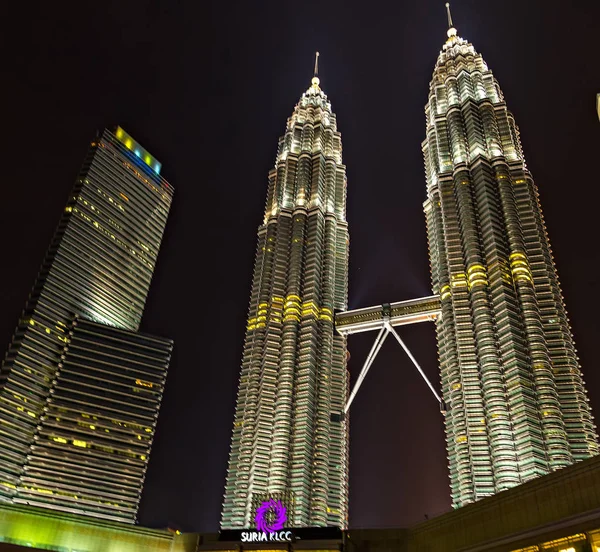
(279, 516)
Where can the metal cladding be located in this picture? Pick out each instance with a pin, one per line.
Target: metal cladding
(98, 267)
(510, 375)
(294, 373)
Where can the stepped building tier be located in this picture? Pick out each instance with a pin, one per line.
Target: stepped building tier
(510, 375)
(285, 445)
(80, 389)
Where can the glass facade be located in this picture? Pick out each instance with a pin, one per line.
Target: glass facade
(294, 373)
(510, 375)
(98, 269)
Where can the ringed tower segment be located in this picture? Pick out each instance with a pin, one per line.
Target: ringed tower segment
(510, 375)
(294, 373)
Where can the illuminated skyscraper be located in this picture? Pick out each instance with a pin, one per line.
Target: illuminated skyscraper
(80, 389)
(285, 444)
(510, 375)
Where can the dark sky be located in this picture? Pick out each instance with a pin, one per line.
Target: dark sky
(207, 88)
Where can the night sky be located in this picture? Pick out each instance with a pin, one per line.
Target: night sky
(207, 87)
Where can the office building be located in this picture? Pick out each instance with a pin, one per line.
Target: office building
(79, 387)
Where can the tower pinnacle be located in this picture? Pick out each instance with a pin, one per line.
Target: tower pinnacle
(450, 24)
(315, 80)
(451, 29)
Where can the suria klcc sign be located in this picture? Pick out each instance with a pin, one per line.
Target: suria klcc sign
(270, 518)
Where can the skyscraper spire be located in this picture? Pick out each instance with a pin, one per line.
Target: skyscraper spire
(450, 24)
(451, 29)
(315, 80)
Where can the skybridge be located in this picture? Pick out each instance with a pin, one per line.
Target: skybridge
(424, 309)
(384, 319)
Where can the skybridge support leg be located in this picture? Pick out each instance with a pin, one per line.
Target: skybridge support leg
(391, 330)
(383, 333)
(385, 330)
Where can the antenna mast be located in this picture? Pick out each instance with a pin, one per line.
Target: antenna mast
(450, 23)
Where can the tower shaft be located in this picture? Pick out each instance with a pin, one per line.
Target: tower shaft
(517, 404)
(294, 374)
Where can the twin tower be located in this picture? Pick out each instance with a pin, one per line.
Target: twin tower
(517, 406)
